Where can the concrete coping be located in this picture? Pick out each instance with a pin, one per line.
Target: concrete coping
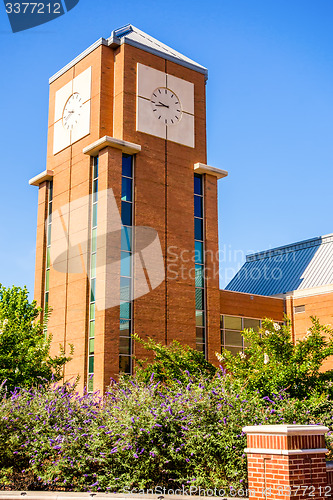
(106, 141)
(201, 168)
(46, 175)
(286, 430)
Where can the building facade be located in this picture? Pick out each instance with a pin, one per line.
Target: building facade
(127, 153)
(127, 236)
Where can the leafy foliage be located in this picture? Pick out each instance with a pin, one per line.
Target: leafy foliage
(25, 359)
(173, 363)
(272, 362)
(139, 437)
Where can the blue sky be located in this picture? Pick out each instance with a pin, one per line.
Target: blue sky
(269, 113)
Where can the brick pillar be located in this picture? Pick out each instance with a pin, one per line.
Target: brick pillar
(286, 461)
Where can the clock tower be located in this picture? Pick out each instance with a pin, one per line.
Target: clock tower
(127, 235)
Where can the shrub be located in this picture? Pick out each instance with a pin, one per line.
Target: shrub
(139, 436)
(272, 362)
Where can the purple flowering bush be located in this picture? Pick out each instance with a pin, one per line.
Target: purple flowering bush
(139, 435)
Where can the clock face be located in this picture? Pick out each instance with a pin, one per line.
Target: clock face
(72, 111)
(166, 106)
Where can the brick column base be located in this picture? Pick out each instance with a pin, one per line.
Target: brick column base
(287, 461)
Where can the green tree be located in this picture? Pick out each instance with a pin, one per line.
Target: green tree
(175, 362)
(25, 359)
(272, 362)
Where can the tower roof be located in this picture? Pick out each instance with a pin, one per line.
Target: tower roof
(302, 265)
(134, 36)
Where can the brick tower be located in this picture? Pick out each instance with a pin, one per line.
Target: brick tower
(127, 236)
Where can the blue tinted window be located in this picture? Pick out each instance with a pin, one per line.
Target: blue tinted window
(126, 213)
(199, 276)
(198, 206)
(199, 298)
(125, 264)
(125, 288)
(198, 229)
(127, 165)
(197, 184)
(198, 252)
(125, 328)
(126, 238)
(125, 310)
(126, 189)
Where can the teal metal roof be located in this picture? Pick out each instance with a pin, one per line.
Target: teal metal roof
(302, 265)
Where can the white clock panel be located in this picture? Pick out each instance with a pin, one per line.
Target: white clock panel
(72, 111)
(165, 106)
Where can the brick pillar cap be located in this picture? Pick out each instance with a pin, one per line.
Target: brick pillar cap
(286, 430)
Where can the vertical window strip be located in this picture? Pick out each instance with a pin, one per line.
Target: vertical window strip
(126, 265)
(199, 245)
(92, 292)
(48, 246)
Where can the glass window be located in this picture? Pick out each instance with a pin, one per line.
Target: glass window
(93, 266)
(198, 252)
(124, 364)
(48, 257)
(126, 189)
(125, 288)
(47, 280)
(197, 184)
(126, 213)
(125, 310)
(49, 234)
(92, 290)
(198, 212)
(91, 384)
(233, 338)
(92, 311)
(199, 298)
(199, 318)
(251, 323)
(94, 216)
(198, 229)
(200, 335)
(94, 240)
(95, 173)
(125, 264)
(91, 364)
(91, 346)
(95, 191)
(126, 238)
(125, 328)
(232, 322)
(124, 345)
(199, 275)
(92, 328)
(127, 165)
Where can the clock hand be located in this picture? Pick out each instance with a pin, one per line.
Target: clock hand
(161, 104)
